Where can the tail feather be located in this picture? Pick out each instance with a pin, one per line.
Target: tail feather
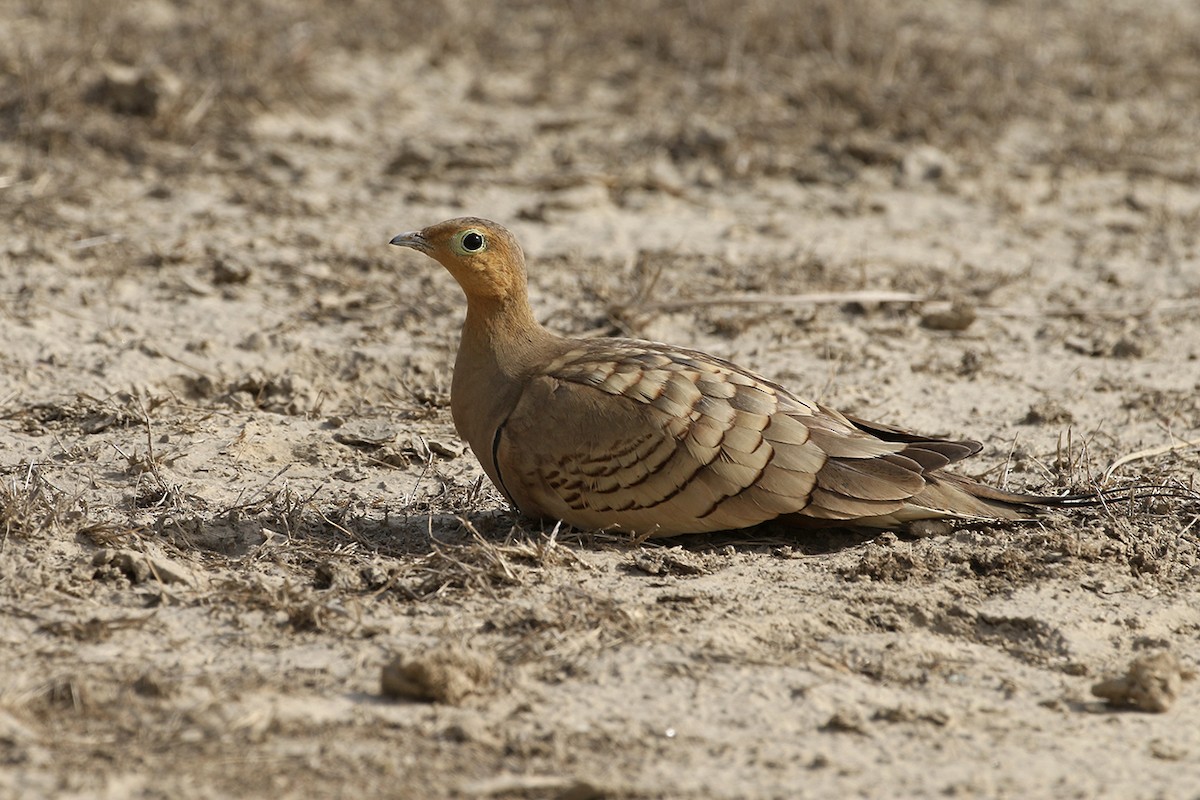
(947, 496)
(908, 485)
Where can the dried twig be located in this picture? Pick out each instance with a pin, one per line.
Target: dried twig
(1149, 452)
(811, 298)
(888, 296)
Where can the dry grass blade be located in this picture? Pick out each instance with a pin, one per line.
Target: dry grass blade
(296, 605)
(886, 296)
(478, 564)
(482, 565)
(1149, 452)
(810, 299)
(544, 551)
(29, 506)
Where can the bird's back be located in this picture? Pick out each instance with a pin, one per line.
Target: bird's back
(650, 438)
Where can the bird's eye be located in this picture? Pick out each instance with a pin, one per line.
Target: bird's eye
(472, 242)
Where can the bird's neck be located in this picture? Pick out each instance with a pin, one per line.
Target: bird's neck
(501, 346)
(503, 335)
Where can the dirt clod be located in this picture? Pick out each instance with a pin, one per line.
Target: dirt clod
(447, 674)
(675, 561)
(135, 91)
(1151, 683)
(1048, 412)
(140, 567)
(958, 317)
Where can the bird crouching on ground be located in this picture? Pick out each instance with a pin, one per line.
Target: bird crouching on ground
(657, 440)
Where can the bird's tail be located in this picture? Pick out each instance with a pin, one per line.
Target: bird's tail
(1017, 505)
(951, 497)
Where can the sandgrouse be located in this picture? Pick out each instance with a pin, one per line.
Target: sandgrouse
(658, 440)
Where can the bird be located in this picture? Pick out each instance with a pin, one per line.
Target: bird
(657, 440)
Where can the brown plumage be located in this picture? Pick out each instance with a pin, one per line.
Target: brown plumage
(662, 440)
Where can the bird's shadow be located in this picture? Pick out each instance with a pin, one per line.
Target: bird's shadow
(774, 538)
(417, 535)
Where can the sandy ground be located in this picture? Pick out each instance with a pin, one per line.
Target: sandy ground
(232, 495)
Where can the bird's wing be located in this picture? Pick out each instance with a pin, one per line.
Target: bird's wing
(656, 439)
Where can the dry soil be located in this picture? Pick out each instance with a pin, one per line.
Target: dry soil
(243, 553)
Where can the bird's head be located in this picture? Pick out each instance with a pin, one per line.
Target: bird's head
(482, 256)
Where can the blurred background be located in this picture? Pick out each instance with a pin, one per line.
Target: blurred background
(426, 98)
(263, 152)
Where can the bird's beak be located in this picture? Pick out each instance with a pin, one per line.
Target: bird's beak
(412, 239)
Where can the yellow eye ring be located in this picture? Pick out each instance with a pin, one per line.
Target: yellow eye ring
(470, 242)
